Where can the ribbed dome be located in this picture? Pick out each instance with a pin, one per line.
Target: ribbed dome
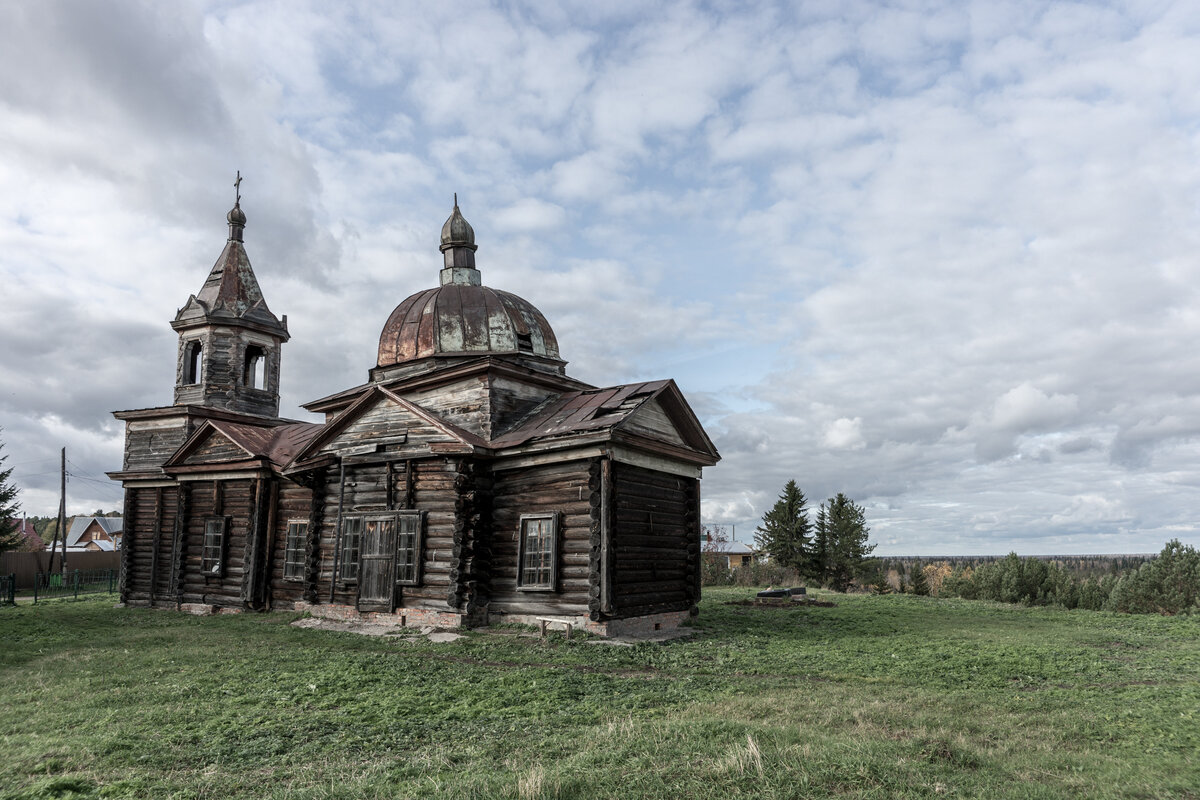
(457, 232)
(461, 319)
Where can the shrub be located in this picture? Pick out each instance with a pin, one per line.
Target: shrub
(765, 573)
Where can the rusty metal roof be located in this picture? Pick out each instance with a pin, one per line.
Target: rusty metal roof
(231, 289)
(461, 319)
(278, 444)
(581, 412)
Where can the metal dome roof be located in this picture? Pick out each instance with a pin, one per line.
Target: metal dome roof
(460, 319)
(463, 317)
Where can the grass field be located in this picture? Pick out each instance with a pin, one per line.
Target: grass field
(879, 697)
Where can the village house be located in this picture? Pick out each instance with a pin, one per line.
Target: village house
(96, 534)
(469, 480)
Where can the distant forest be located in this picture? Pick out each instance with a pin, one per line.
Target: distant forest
(1077, 566)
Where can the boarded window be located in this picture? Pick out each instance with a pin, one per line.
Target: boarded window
(293, 558)
(408, 547)
(351, 541)
(538, 557)
(212, 561)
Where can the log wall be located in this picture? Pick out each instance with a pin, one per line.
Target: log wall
(427, 485)
(237, 500)
(293, 502)
(148, 544)
(570, 490)
(655, 541)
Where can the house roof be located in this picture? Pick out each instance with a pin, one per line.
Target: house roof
(27, 532)
(729, 548)
(111, 526)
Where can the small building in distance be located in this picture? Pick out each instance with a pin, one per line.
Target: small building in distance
(469, 480)
(732, 554)
(95, 534)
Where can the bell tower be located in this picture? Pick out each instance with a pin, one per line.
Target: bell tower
(229, 341)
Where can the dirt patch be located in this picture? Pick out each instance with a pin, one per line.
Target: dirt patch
(378, 629)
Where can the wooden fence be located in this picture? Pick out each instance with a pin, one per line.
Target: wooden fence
(26, 565)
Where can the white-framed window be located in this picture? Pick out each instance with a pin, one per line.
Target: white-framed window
(293, 556)
(408, 547)
(537, 558)
(212, 553)
(352, 528)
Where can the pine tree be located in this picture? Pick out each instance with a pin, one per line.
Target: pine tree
(10, 538)
(920, 584)
(784, 533)
(818, 561)
(846, 542)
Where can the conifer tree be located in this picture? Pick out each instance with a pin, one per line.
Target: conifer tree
(10, 537)
(784, 533)
(920, 584)
(818, 561)
(846, 542)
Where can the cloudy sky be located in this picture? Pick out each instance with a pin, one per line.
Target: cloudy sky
(941, 256)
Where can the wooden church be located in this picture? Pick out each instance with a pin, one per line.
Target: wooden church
(470, 480)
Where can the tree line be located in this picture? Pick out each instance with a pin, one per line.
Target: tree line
(829, 550)
(1166, 584)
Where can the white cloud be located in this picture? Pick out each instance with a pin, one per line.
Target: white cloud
(845, 434)
(938, 256)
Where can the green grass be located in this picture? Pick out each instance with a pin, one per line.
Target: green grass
(880, 697)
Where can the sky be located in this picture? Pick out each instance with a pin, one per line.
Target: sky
(943, 257)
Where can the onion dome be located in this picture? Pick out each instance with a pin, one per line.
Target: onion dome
(461, 317)
(237, 222)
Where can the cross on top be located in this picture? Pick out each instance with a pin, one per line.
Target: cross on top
(237, 186)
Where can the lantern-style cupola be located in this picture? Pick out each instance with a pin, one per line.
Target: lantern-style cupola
(229, 341)
(458, 250)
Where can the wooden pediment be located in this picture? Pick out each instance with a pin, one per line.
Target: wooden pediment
(217, 443)
(667, 417)
(382, 422)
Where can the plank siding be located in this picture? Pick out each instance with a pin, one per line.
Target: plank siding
(214, 449)
(652, 421)
(150, 447)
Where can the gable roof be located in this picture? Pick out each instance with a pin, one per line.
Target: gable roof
(111, 525)
(273, 446)
(608, 410)
(367, 401)
(728, 548)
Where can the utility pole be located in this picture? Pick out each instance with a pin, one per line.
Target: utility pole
(59, 532)
(62, 510)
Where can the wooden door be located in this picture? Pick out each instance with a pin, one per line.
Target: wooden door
(377, 570)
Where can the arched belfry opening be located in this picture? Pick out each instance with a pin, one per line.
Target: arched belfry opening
(254, 368)
(193, 363)
(231, 341)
